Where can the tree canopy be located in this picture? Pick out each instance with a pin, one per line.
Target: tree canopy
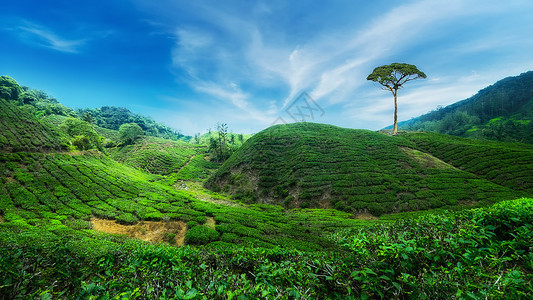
(392, 77)
(130, 132)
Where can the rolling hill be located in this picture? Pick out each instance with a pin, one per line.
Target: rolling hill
(317, 165)
(66, 217)
(166, 157)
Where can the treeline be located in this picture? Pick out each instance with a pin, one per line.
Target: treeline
(41, 105)
(35, 102)
(112, 117)
(503, 111)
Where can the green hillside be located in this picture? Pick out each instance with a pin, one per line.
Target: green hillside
(506, 164)
(503, 111)
(317, 165)
(165, 157)
(134, 222)
(20, 131)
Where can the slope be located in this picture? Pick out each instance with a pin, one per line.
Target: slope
(58, 191)
(164, 157)
(20, 131)
(502, 111)
(507, 164)
(317, 165)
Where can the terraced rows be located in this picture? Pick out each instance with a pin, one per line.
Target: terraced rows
(317, 165)
(79, 187)
(54, 190)
(507, 164)
(157, 156)
(20, 131)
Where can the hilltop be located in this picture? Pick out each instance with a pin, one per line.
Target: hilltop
(323, 166)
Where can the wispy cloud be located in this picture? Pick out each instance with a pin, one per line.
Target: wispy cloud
(234, 54)
(45, 37)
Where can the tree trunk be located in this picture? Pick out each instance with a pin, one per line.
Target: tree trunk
(395, 131)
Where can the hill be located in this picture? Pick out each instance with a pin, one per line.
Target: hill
(66, 218)
(317, 165)
(165, 157)
(503, 111)
(509, 165)
(20, 131)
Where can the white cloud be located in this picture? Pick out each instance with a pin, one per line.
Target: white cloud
(236, 55)
(47, 38)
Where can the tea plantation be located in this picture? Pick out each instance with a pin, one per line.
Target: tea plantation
(20, 131)
(507, 164)
(318, 165)
(49, 198)
(165, 157)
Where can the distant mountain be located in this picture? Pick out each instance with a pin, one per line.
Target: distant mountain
(310, 165)
(503, 111)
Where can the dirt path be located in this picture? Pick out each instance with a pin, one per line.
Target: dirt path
(210, 222)
(150, 231)
(187, 163)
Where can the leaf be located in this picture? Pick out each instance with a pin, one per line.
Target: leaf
(191, 294)
(396, 285)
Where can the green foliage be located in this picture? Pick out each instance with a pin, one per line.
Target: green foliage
(358, 171)
(84, 137)
(200, 235)
(9, 88)
(393, 76)
(481, 253)
(438, 255)
(130, 132)
(34, 102)
(501, 112)
(159, 156)
(111, 117)
(20, 131)
(220, 148)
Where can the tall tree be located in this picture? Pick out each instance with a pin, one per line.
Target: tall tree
(392, 77)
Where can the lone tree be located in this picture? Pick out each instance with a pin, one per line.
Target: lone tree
(130, 132)
(392, 77)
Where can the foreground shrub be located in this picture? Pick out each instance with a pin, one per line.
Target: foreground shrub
(201, 235)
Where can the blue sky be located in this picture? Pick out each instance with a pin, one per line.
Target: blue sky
(191, 64)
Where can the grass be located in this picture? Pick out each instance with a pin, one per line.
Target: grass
(316, 165)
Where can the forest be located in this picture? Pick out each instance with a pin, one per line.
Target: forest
(502, 112)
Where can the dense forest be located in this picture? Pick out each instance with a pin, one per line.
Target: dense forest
(503, 111)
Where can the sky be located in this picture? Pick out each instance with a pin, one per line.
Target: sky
(251, 64)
